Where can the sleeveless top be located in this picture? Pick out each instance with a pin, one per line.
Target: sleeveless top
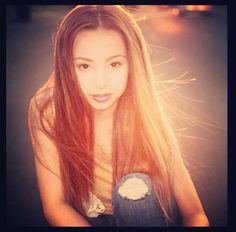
(100, 199)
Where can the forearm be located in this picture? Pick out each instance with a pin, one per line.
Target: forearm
(64, 215)
(196, 220)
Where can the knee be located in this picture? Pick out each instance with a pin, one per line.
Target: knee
(133, 186)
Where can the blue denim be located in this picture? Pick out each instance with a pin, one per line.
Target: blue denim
(145, 211)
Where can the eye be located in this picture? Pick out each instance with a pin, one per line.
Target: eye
(116, 64)
(83, 66)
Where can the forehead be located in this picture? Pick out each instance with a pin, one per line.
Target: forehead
(98, 43)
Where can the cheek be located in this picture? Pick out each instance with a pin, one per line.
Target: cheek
(84, 85)
(120, 80)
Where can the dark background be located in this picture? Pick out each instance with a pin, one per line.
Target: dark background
(194, 46)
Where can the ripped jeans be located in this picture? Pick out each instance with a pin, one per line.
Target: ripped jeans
(134, 206)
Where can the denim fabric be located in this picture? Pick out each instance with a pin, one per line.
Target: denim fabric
(145, 211)
(103, 220)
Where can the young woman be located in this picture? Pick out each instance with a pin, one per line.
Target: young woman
(106, 154)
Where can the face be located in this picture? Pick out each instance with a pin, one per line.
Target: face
(101, 65)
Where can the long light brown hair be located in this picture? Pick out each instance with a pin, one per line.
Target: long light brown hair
(142, 139)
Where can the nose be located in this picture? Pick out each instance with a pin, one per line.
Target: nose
(100, 78)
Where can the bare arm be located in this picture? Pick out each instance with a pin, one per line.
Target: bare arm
(64, 215)
(56, 210)
(186, 197)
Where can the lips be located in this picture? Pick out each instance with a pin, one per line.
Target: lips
(101, 97)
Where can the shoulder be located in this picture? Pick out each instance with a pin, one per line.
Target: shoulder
(44, 93)
(42, 102)
(41, 97)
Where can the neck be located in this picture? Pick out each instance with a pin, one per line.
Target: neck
(104, 116)
(103, 126)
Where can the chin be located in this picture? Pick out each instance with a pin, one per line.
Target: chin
(103, 106)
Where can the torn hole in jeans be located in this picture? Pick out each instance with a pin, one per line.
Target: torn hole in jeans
(133, 189)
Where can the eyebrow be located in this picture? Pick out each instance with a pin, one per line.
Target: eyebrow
(90, 60)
